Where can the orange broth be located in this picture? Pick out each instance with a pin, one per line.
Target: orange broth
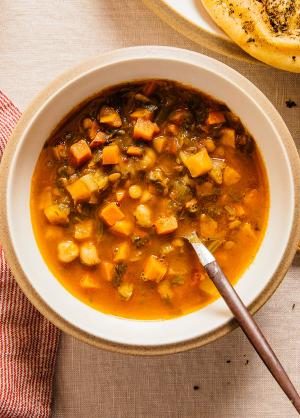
(193, 166)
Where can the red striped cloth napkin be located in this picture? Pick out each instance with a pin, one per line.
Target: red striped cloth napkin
(28, 342)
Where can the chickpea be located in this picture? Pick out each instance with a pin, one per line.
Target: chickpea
(87, 123)
(135, 191)
(148, 160)
(114, 177)
(67, 251)
(228, 245)
(178, 243)
(143, 216)
(89, 254)
(210, 145)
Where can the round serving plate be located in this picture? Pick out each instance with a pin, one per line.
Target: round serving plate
(190, 18)
(132, 336)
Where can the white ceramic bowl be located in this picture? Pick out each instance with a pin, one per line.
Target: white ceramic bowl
(211, 77)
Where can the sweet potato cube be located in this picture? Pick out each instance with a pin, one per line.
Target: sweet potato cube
(80, 153)
(88, 281)
(141, 113)
(154, 269)
(111, 214)
(109, 116)
(135, 151)
(57, 214)
(230, 176)
(107, 270)
(122, 252)
(111, 155)
(166, 225)
(79, 191)
(144, 129)
(215, 117)
(124, 228)
(159, 143)
(197, 164)
(83, 230)
(228, 137)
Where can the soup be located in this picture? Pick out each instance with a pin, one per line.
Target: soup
(125, 176)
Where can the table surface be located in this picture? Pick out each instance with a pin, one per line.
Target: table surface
(39, 40)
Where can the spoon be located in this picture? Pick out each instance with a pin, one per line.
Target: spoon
(244, 318)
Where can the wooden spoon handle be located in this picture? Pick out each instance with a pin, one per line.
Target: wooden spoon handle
(252, 331)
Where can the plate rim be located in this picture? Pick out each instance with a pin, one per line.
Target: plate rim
(42, 306)
(198, 34)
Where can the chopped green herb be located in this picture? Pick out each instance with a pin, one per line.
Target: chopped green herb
(120, 270)
(139, 242)
(177, 280)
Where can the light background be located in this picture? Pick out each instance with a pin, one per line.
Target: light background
(39, 40)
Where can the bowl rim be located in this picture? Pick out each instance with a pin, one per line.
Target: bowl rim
(141, 52)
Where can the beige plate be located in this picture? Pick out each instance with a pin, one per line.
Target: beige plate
(58, 320)
(201, 34)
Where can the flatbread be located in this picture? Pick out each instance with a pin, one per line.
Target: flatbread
(269, 30)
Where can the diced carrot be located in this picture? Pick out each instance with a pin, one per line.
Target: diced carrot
(93, 129)
(120, 194)
(122, 252)
(215, 117)
(197, 164)
(99, 139)
(135, 151)
(111, 155)
(159, 143)
(141, 113)
(79, 191)
(166, 225)
(111, 214)
(123, 228)
(149, 88)
(80, 153)
(109, 116)
(154, 269)
(144, 129)
(107, 270)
